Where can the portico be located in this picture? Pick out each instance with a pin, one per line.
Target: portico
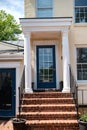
(43, 38)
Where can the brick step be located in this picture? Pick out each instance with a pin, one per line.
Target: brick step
(51, 127)
(48, 107)
(27, 101)
(49, 115)
(49, 111)
(47, 95)
(63, 123)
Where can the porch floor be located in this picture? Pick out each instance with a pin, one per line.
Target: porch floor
(6, 125)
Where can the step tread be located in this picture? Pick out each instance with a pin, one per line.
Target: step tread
(49, 105)
(45, 122)
(48, 113)
(47, 93)
(47, 98)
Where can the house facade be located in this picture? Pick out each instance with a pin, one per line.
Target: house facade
(11, 67)
(55, 34)
(55, 40)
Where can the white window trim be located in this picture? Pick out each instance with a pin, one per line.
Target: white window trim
(79, 81)
(37, 8)
(53, 42)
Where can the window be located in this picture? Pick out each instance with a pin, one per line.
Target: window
(44, 8)
(80, 11)
(82, 63)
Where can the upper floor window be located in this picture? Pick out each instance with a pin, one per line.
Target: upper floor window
(44, 8)
(82, 63)
(80, 11)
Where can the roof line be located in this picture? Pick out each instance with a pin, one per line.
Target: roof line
(46, 18)
(11, 44)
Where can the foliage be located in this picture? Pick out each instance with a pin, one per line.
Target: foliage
(9, 29)
(84, 117)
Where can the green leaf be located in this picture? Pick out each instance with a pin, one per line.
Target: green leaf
(9, 28)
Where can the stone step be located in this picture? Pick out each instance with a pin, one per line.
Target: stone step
(48, 107)
(49, 115)
(47, 95)
(27, 101)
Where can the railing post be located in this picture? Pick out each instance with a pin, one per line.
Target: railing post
(77, 101)
(19, 101)
(74, 89)
(21, 89)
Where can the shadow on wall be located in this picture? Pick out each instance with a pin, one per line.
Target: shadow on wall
(61, 86)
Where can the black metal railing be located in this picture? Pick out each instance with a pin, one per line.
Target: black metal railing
(74, 89)
(21, 89)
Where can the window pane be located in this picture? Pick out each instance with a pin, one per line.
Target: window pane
(81, 14)
(81, 55)
(80, 2)
(44, 8)
(44, 3)
(45, 12)
(82, 63)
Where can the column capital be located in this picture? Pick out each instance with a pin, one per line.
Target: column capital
(65, 32)
(27, 34)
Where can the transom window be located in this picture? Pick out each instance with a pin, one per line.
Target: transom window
(82, 63)
(80, 11)
(44, 8)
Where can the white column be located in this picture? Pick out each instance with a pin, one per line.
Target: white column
(66, 61)
(27, 63)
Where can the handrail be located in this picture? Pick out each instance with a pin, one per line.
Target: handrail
(21, 89)
(74, 89)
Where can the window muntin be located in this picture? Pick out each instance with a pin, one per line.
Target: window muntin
(80, 11)
(44, 8)
(81, 63)
(46, 65)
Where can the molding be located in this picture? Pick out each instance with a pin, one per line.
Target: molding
(11, 57)
(46, 42)
(9, 64)
(15, 65)
(56, 24)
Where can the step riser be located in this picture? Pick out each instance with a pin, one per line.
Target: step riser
(52, 128)
(47, 95)
(48, 109)
(38, 101)
(48, 117)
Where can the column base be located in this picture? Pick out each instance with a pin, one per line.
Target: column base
(27, 90)
(66, 90)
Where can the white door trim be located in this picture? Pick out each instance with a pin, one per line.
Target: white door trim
(46, 42)
(15, 65)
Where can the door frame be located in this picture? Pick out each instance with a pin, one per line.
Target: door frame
(46, 84)
(36, 43)
(15, 65)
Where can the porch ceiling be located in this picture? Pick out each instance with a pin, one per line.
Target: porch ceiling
(45, 35)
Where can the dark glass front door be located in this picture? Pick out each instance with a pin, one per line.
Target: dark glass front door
(7, 92)
(46, 70)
